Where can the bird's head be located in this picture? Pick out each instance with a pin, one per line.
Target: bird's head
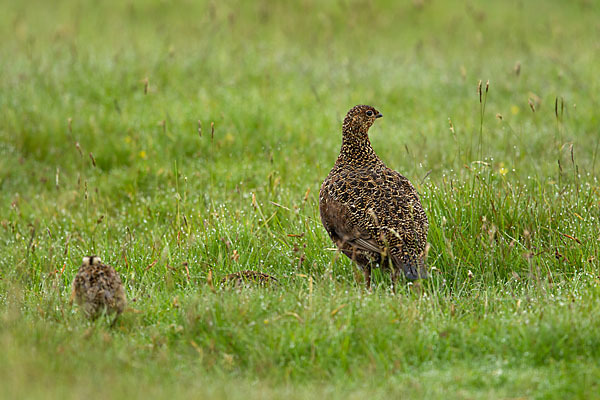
(360, 118)
(91, 260)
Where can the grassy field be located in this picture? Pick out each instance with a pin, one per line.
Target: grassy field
(101, 153)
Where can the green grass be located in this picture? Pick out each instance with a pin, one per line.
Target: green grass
(92, 163)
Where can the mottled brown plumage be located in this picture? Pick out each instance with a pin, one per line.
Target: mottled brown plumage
(243, 278)
(371, 212)
(97, 288)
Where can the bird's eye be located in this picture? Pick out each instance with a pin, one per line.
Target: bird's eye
(369, 113)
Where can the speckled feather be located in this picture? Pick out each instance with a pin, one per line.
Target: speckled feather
(97, 287)
(243, 278)
(371, 212)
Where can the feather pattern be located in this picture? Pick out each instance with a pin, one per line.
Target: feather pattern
(371, 212)
(97, 288)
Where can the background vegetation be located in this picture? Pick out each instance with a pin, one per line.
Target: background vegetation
(100, 153)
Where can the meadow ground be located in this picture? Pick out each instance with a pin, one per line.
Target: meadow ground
(100, 153)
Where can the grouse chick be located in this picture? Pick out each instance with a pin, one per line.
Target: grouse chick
(244, 278)
(371, 212)
(97, 288)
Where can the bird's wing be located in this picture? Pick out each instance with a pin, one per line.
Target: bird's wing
(365, 243)
(336, 218)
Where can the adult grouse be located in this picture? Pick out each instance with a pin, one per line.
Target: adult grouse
(371, 212)
(97, 288)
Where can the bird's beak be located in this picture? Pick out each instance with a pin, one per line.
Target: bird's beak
(379, 115)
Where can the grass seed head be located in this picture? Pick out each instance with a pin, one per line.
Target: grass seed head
(78, 147)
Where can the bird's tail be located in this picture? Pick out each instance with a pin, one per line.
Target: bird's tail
(413, 267)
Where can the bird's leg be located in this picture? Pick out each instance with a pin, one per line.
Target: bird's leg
(114, 321)
(394, 279)
(367, 272)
